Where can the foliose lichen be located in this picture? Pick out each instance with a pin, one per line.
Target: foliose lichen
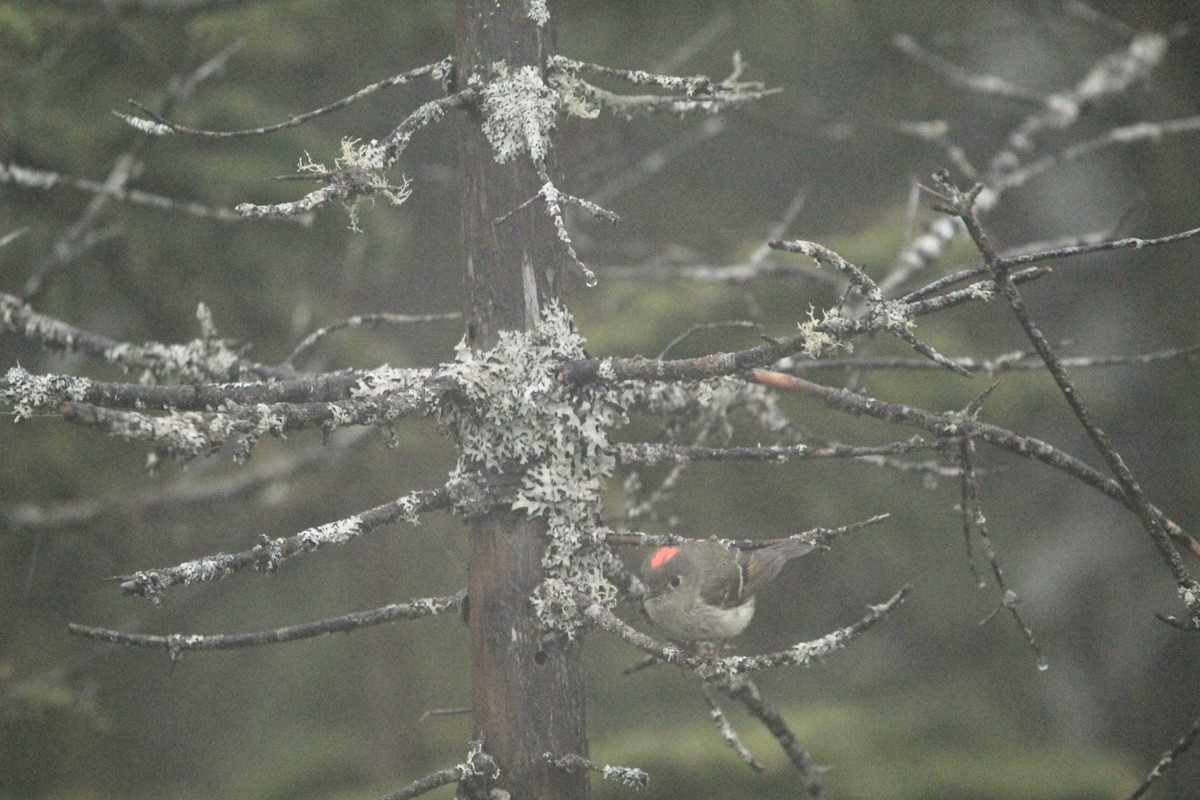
(519, 112)
(516, 416)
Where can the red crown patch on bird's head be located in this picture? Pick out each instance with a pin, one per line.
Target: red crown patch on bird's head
(662, 555)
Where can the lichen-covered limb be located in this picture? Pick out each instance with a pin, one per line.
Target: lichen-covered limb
(374, 398)
(552, 197)
(360, 170)
(395, 142)
(479, 771)
(688, 85)
(187, 435)
(893, 316)
(292, 208)
(27, 393)
(728, 735)
(829, 329)
(266, 556)
(696, 93)
(627, 106)
(629, 776)
(198, 361)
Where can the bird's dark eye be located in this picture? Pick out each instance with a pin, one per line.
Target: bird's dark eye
(676, 581)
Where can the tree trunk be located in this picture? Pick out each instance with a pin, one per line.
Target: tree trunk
(527, 692)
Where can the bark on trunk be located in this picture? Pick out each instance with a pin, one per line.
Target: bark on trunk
(527, 693)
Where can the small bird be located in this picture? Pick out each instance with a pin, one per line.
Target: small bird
(704, 591)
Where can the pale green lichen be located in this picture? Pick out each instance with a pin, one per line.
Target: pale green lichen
(818, 341)
(572, 97)
(362, 167)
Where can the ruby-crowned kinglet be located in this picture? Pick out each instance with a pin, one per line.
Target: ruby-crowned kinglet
(704, 591)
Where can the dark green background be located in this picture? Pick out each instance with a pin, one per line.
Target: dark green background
(929, 705)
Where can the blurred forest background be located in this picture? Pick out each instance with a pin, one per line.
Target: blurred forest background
(930, 704)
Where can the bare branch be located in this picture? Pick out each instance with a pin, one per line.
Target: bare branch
(444, 712)
(135, 7)
(706, 326)
(374, 320)
(958, 425)
(176, 644)
(1168, 758)
(733, 274)
(652, 162)
(975, 521)
(1016, 361)
(12, 236)
(658, 453)
(83, 234)
(1112, 74)
(754, 268)
(984, 84)
(728, 734)
(962, 205)
(1151, 132)
(1128, 243)
(29, 178)
(159, 126)
(743, 689)
(183, 492)
(697, 42)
